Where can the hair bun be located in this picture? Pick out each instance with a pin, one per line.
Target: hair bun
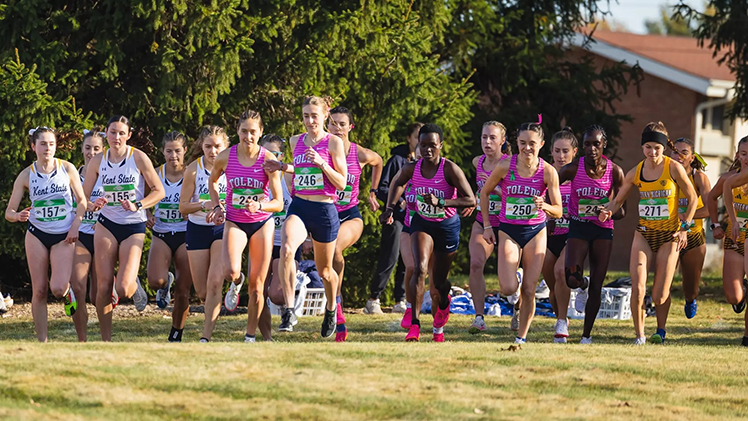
(567, 129)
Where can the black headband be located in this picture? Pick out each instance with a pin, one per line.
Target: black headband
(656, 137)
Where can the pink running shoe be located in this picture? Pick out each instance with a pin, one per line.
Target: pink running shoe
(414, 334)
(407, 319)
(441, 317)
(438, 334)
(341, 336)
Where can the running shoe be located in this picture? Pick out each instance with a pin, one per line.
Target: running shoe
(373, 307)
(204, 340)
(441, 317)
(71, 304)
(3, 307)
(249, 339)
(514, 298)
(140, 298)
(438, 334)
(745, 341)
(328, 324)
(658, 337)
(400, 307)
(514, 325)
(739, 307)
(586, 341)
(580, 301)
(163, 295)
(640, 340)
(288, 320)
(520, 341)
(542, 290)
(231, 301)
(339, 316)
(414, 333)
(341, 333)
(478, 326)
(562, 331)
(690, 308)
(407, 319)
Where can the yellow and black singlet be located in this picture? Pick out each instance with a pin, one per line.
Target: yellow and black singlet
(658, 206)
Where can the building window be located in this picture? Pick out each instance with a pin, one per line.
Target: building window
(718, 118)
(704, 116)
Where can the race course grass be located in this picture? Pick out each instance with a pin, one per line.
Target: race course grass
(700, 374)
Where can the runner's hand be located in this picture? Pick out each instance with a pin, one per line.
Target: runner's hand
(312, 156)
(150, 220)
(734, 231)
(682, 238)
(431, 199)
(72, 234)
(128, 205)
(272, 165)
(99, 203)
(252, 206)
(24, 215)
(373, 203)
(718, 232)
(215, 216)
(386, 217)
(467, 211)
(489, 236)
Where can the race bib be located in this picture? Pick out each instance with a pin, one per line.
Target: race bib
(494, 204)
(117, 192)
(410, 216)
(90, 218)
(169, 213)
(308, 179)
(563, 222)
(520, 208)
(427, 210)
(590, 208)
(742, 221)
(344, 196)
(654, 209)
(278, 219)
(50, 210)
(240, 197)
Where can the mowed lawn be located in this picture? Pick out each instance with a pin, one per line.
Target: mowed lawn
(699, 374)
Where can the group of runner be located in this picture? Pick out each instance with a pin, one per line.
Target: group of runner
(206, 206)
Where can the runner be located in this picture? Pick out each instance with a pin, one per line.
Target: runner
(248, 215)
(524, 181)
(659, 236)
(440, 187)
(168, 241)
(493, 143)
(120, 231)
(204, 238)
(594, 180)
(351, 222)
(319, 169)
(564, 147)
(92, 145)
(52, 227)
(735, 193)
(693, 255)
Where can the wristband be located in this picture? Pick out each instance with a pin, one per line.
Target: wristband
(712, 226)
(441, 202)
(686, 225)
(372, 190)
(217, 207)
(485, 227)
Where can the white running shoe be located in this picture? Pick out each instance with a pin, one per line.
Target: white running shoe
(514, 325)
(478, 326)
(640, 341)
(231, 301)
(520, 341)
(562, 331)
(163, 295)
(542, 290)
(580, 301)
(140, 298)
(373, 307)
(514, 298)
(400, 307)
(249, 339)
(586, 341)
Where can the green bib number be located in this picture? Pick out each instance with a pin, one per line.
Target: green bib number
(240, 197)
(590, 208)
(308, 179)
(654, 209)
(427, 210)
(169, 213)
(344, 196)
(742, 218)
(520, 208)
(278, 219)
(117, 192)
(563, 222)
(50, 210)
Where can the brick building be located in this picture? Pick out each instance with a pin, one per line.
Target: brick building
(685, 88)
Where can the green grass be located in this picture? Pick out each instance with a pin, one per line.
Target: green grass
(698, 375)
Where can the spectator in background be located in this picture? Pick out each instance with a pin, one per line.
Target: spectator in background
(390, 243)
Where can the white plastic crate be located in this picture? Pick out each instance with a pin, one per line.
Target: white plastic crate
(615, 303)
(313, 305)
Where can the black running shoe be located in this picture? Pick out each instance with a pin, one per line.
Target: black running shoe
(328, 324)
(739, 307)
(745, 341)
(288, 321)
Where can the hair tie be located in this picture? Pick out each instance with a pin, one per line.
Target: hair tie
(540, 118)
(700, 159)
(31, 132)
(86, 131)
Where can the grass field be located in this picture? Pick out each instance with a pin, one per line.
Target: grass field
(699, 374)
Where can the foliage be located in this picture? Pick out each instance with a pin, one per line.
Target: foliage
(722, 29)
(668, 25)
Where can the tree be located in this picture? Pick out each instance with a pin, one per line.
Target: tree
(669, 24)
(722, 29)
